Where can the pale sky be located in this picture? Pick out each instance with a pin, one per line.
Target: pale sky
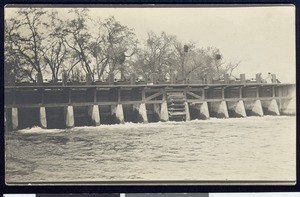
(263, 38)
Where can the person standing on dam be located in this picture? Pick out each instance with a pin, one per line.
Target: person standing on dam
(268, 78)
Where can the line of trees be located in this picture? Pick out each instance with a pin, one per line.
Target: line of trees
(39, 41)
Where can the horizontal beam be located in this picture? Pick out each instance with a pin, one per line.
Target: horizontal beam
(148, 86)
(138, 102)
(81, 104)
(237, 99)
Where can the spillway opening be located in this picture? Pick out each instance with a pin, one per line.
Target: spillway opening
(55, 117)
(28, 117)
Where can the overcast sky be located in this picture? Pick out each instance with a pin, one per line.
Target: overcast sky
(263, 38)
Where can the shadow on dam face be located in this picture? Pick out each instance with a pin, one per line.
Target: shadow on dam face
(55, 117)
(194, 113)
(28, 117)
(81, 116)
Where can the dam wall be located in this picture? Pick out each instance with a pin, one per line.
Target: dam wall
(66, 106)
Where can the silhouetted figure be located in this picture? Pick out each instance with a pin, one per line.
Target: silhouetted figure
(269, 78)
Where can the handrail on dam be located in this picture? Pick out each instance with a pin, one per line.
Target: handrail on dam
(31, 86)
(154, 80)
(69, 105)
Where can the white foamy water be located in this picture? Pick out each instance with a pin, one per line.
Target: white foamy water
(39, 130)
(253, 148)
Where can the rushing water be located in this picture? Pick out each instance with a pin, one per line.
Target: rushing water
(253, 148)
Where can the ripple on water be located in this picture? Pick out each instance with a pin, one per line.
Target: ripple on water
(219, 149)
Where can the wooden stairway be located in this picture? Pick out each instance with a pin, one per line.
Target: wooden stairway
(176, 106)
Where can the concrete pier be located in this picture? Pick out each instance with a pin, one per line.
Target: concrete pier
(199, 111)
(117, 113)
(43, 117)
(204, 112)
(69, 114)
(94, 115)
(164, 113)
(14, 118)
(236, 109)
(187, 111)
(222, 111)
(219, 109)
(254, 108)
(270, 107)
(288, 107)
(142, 112)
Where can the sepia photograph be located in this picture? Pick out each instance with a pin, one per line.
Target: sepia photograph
(150, 94)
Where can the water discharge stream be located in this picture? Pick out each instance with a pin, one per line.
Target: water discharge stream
(252, 148)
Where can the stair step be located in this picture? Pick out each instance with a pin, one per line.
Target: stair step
(176, 100)
(176, 105)
(177, 118)
(177, 113)
(176, 110)
(176, 97)
(175, 93)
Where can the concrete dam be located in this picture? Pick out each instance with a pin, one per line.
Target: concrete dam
(90, 104)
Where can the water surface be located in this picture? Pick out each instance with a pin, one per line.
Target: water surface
(252, 148)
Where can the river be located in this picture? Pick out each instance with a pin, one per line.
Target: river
(252, 148)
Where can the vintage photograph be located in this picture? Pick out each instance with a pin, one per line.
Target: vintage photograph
(152, 94)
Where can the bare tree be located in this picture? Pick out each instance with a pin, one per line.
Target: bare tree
(231, 66)
(34, 44)
(12, 61)
(120, 43)
(98, 50)
(209, 61)
(26, 35)
(158, 54)
(56, 51)
(77, 37)
(184, 53)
